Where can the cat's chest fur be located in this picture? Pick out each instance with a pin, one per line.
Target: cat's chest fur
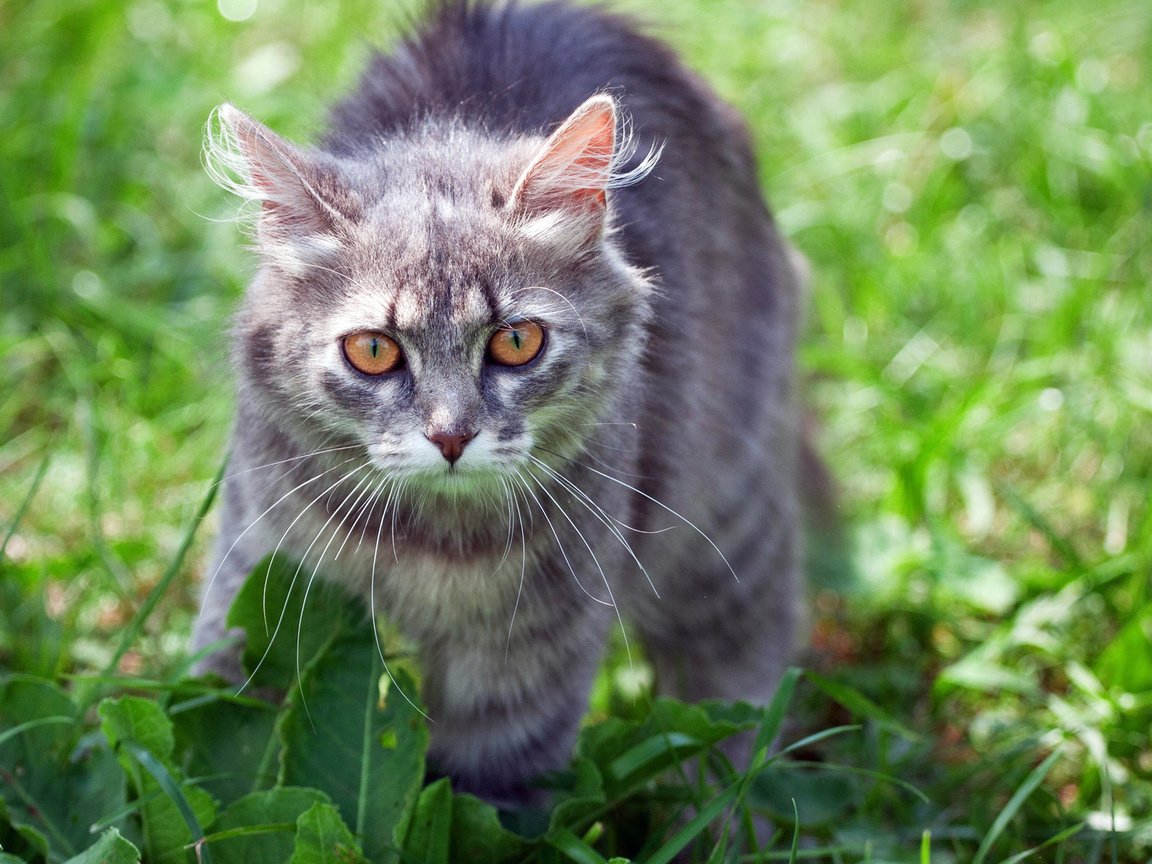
(427, 579)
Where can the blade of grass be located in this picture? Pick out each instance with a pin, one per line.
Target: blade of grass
(574, 848)
(795, 833)
(32, 724)
(684, 836)
(812, 739)
(23, 508)
(1028, 854)
(1034, 779)
(172, 789)
(774, 714)
(833, 768)
(136, 626)
(1038, 521)
(860, 705)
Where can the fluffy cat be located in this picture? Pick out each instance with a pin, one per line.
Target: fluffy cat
(520, 346)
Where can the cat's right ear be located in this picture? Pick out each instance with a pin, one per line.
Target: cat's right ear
(300, 197)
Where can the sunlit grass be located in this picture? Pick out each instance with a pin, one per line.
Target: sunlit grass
(972, 184)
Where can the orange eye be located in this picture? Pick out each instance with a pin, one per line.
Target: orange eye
(516, 344)
(372, 352)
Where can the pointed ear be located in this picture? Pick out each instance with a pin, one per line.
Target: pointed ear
(570, 174)
(300, 196)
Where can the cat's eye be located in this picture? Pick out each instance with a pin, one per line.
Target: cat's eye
(516, 344)
(372, 352)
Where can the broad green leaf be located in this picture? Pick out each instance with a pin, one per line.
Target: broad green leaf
(111, 848)
(133, 718)
(142, 734)
(230, 765)
(429, 837)
(323, 838)
(361, 743)
(479, 838)
(818, 796)
(52, 789)
(270, 817)
(285, 630)
(584, 798)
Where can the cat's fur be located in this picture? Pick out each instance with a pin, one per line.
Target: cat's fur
(657, 427)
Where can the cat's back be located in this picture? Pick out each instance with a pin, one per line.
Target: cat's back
(517, 68)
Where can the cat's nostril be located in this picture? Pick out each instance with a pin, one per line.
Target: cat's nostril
(451, 446)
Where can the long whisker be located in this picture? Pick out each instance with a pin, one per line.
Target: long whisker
(659, 504)
(367, 509)
(523, 566)
(286, 461)
(368, 497)
(569, 303)
(366, 482)
(372, 607)
(595, 560)
(291, 525)
(395, 553)
(292, 584)
(559, 545)
(511, 534)
(252, 524)
(600, 513)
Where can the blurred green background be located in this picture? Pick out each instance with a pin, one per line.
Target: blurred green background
(972, 183)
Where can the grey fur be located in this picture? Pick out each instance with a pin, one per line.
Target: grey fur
(664, 392)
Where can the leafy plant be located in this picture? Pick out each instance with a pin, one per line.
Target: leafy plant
(192, 766)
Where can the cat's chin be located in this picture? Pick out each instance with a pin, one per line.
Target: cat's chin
(459, 482)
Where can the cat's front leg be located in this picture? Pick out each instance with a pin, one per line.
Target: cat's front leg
(505, 706)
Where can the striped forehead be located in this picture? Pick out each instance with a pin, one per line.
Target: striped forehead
(415, 306)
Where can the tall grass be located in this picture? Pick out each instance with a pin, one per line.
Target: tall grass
(973, 186)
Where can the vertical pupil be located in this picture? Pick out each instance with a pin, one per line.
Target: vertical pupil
(375, 347)
(516, 339)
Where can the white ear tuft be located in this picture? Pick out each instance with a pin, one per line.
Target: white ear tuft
(246, 158)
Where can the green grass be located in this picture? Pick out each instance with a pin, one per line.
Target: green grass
(973, 185)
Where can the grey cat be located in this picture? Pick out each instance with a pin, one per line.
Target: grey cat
(517, 366)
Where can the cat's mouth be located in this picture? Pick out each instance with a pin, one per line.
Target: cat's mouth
(458, 480)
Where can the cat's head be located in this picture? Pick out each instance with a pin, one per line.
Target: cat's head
(449, 300)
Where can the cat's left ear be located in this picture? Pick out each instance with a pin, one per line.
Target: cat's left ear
(569, 177)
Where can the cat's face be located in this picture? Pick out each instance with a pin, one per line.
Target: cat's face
(451, 305)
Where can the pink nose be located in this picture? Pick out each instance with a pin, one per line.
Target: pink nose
(451, 446)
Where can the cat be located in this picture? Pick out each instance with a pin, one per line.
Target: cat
(520, 347)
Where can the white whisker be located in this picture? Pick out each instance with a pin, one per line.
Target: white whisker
(559, 545)
(252, 524)
(372, 607)
(663, 506)
(600, 513)
(595, 560)
(292, 584)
